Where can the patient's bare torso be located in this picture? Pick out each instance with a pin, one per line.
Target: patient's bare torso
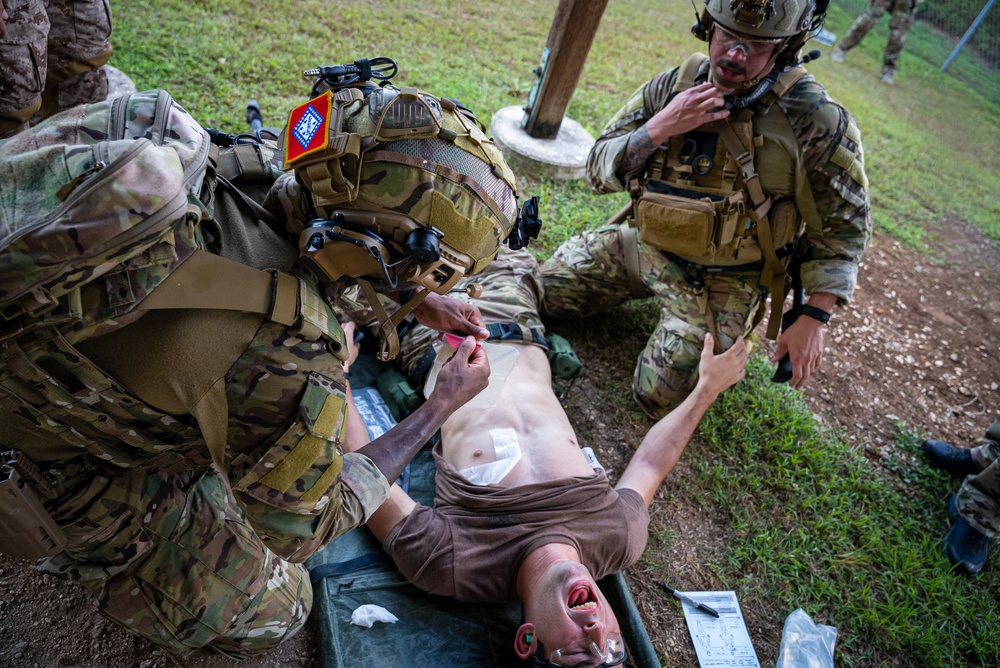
(528, 407)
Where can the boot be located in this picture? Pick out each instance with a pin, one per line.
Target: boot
(887, 76)
(965, 547)
(945, 456)
(837, 55)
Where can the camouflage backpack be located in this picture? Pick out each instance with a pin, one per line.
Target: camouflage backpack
(91, 191)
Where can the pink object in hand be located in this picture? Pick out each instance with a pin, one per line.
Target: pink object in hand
(454, 340)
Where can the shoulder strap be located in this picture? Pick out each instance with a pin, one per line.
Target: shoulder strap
(687, 72)
(214, 282)
(786, 80)
(773, 275)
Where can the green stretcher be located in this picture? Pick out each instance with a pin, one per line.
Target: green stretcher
(431, 630)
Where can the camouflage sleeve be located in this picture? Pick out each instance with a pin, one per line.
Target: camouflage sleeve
(606, 155)
(288, 416)
(838, 219)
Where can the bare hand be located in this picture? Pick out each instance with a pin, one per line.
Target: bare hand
(689, 110)
(446, 314)
(718, 372)
(803, 342)
(464, 375)
(3, 20)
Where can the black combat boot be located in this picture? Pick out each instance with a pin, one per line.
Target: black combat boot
(947, 457)
(965, 547)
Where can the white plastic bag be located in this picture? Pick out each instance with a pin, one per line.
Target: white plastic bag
(805, 644)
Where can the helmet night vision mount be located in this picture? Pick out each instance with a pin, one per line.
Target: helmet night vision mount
(404, 188)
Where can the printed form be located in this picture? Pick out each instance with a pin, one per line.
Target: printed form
(721, 642)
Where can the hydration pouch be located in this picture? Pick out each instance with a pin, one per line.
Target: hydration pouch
(27, 531)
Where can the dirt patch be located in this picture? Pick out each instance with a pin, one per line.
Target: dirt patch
(920, 345)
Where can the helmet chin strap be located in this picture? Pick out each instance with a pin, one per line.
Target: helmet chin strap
(387, 324)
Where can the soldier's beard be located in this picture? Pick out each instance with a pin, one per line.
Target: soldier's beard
(731, 68)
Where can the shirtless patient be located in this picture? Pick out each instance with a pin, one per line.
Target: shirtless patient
(536, 523)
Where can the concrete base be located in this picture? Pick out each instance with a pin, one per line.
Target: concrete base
(564, 157)
(118, 82)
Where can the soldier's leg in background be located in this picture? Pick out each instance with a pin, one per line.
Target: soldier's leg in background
(899, 24)
(171, 558)
(587, 275)
(989, 449)
(22, 64)
(667, 369)
(978, 500)
(863, 24)
(79, 46)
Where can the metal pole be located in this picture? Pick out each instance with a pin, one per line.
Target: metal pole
(968, 34)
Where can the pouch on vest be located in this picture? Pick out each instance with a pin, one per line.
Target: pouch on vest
(700, 227)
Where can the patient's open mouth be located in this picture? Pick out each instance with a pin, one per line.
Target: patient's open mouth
(581, 598)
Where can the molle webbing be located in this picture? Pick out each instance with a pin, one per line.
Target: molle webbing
(516, 331)
(93, 412)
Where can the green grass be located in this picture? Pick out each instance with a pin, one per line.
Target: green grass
(815, 524)
(853, 544)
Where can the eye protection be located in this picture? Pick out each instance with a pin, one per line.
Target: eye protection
(754, 46)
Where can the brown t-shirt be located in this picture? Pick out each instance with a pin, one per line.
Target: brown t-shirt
(471, 544)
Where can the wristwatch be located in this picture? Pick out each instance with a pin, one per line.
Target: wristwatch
(815, 313)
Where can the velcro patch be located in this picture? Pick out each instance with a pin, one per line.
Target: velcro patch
(308, 128)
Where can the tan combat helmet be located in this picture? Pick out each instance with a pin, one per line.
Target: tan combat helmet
(405, 189)
(791, 22)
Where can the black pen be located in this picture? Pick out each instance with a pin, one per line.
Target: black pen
(690, 601)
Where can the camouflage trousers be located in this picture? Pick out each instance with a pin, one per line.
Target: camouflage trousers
(978, 500)
(587, 275)
(901, 19)
(512, 292)
(52, 58)
(171, 558)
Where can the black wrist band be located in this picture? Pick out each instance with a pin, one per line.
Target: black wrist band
(815, 313)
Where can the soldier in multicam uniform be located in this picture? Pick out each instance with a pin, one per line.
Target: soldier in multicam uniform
(702, 214)
(194, 457)
(902, 16)
(975, 509)
(52, 56)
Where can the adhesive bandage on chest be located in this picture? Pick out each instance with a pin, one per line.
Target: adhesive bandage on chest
(508, 454)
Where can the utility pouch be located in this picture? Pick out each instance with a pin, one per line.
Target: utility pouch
(786, 222)
(702, 227)
(397, 392)
(27, 531)
(565, 364)
(676, 224)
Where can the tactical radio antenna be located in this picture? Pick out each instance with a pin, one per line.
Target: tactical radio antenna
(381, 69)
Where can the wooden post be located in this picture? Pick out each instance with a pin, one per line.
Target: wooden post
(569, 40)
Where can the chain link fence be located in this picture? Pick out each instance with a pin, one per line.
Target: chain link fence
(940, 27)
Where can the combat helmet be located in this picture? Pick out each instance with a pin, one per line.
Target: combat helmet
(791, 21)
(404, 187)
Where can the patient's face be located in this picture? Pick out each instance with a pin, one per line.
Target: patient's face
(571, 613)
